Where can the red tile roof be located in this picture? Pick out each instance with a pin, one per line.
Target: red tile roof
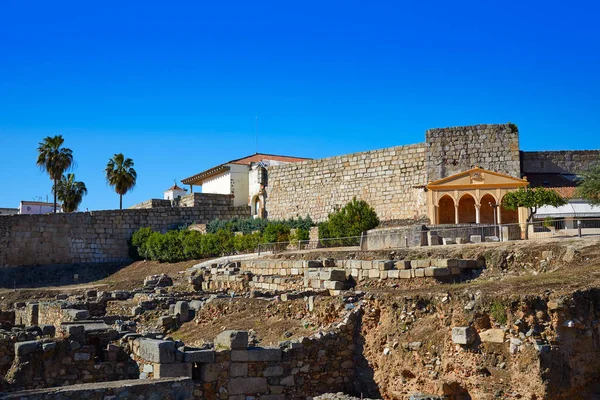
(257, 157)
(175, 187)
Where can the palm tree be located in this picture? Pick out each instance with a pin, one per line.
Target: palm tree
(120, 174)
(54, 159)
(70, 192)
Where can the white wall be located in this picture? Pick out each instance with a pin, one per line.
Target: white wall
(220, 184)
(173, 194)
(26, 207)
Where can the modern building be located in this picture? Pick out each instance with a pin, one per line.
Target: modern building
(244, 178)
(9, 211)
(38, 207)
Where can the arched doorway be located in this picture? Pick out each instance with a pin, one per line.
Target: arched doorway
(508, 216)
(466, 210)
(446, 210)
(256, 207)
(486, 212)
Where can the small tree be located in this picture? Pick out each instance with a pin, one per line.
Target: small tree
(589, 186)
(532, 199)
(120, 174)
(70, 192)
(54, 159)
(351, 220)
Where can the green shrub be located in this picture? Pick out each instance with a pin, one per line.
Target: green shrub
(192, 245)
(244, 243)
(351, 220)
(139, 240)
(498, 312)
(276, 232)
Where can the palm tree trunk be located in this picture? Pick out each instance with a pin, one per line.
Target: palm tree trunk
(55, 196)
(120, 202)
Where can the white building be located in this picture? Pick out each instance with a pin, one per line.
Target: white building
(38, 207)
(174, 192)
(244, 179)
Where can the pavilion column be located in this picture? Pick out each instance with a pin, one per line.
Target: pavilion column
(498, 214)
(477, 213)
(191, 188)
(456, 214)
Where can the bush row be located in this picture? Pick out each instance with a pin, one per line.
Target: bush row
(249, 225)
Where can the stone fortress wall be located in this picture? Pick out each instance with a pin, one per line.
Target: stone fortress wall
(561, 162)
(391, 180)
(457, 149)
(97, 236)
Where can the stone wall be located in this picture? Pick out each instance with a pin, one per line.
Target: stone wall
(457, 149)
(165, 389)
(97, 236)
(391, 180)
(563, 162)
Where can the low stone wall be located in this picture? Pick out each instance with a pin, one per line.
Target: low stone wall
(152, 203)
(98, 236)
(307, 367)
(164, 389)
(389, 238)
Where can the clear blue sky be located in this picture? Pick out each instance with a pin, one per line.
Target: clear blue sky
(176, 85)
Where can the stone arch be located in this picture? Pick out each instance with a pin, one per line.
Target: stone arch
(466, 209)
(256, 206)
(486, 212)
(508, 216)
(446, 210)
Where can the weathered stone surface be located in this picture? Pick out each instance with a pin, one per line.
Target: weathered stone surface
(231, 340)
(492, 336)
(199, 356)
(28, 347)
(256, 354)
(210, 372)
(238, 369)
(462, 335)
(247, 386)
(182, 309)
(273, 371)
(175, 370)
(157, 351)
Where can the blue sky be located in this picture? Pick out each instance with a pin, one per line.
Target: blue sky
(177, 85)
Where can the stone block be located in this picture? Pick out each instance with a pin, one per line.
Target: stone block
(314, 264)
(199, 356)
(403, 264)
(373, 273)
(437, 272)
(445, 262)
(475, 238)
(492, 336)
(157, 351)
(334, 285)
(406, 274)
(238, 369)
(172, 370)
(273, 371)
(28, 347)
(462, 335)
(448, 241)
(419, 272)
(210, 372)
(254, 354)
(81, 356)
(231, 340)
(195, 305)
(366, 264)
(333, 275)
(182, 309)
(394, 274)
(247, 386)
(491, 239)
(384, 265)
(75, 315)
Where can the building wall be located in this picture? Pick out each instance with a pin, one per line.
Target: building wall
(564, 162)
(239, 184)
(173, 194)
(391, 180)
(98, 236)
(457, 149)
(37, 208)
(220, 184)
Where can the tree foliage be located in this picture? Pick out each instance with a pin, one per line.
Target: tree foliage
(351, 220)
(532, 199)
(54, 159)
(70, 192)
(589, 186)
(120, 174)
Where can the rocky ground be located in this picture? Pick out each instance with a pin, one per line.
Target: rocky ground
(533, 311)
